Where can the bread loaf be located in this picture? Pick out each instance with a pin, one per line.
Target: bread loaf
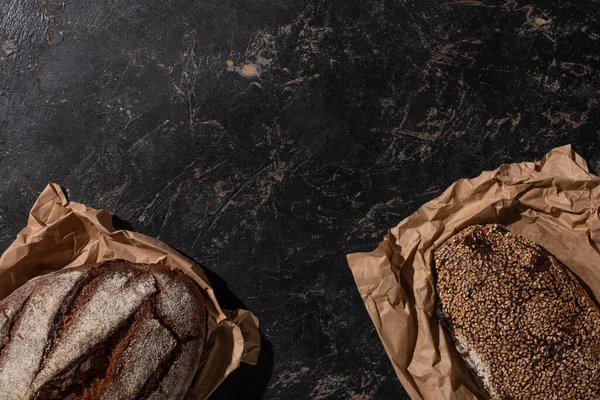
(523, 323)
(113, 330)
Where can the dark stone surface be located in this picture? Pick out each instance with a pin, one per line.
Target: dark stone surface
(354, 114)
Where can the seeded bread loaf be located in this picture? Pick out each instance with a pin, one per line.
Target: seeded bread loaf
(523, 323)
(113, 330)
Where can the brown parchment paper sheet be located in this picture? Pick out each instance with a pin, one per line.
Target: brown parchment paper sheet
(553, 202)
(62, 234)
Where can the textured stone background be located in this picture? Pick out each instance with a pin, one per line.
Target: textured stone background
(266, 139)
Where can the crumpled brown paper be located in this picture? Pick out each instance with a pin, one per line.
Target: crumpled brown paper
(553, 202)
(62, 234)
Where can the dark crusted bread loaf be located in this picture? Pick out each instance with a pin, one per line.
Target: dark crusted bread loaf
(113, 330)
(521, 320)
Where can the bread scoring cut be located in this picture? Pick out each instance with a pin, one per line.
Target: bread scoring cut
(113, 330)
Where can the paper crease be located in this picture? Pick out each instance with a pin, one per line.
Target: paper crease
(553, 202)
(62, 234)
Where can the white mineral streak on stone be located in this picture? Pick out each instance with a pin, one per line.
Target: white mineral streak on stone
(109, 305)
(171, 386)
(147, 349)
(477, 364)
(21, 359)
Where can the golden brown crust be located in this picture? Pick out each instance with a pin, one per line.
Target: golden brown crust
(521, 320)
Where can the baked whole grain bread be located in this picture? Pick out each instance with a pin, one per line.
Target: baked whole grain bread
(113, 330)
(523, 323)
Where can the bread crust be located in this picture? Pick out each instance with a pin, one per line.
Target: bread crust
(112, 330)
(523, 323)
